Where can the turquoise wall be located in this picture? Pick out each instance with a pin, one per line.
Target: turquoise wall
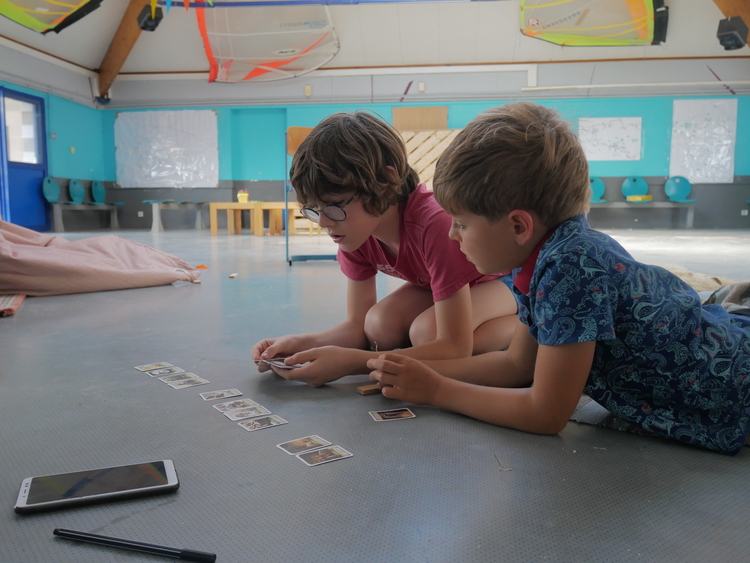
(656, 114)
(83, 128)
(252, 138)
(257, 143)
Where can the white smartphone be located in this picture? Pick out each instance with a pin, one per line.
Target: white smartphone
(49, 492)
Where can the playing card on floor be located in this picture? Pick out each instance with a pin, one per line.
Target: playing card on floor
(392, 414)
(316, 457)
(157, 365)
(190, 382)
(236, 404)
(223, 394)
(177, 377)
(260, 423)
(303, 444)
(250, 412)
(165, 371)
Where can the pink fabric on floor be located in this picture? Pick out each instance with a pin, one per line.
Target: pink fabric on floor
(33, 263)
(9, 304)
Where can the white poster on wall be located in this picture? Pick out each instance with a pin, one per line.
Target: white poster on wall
(610, 138)
(167, 149)
(703, 140)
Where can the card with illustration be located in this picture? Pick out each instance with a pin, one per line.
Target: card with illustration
(261, 423)
(250, 412)
(316, 457)
(223, 394)
(190, 382)
(157, 365)
(236, 404)
(303, 444)
(392, 414)
(165, 371)
(177, 377)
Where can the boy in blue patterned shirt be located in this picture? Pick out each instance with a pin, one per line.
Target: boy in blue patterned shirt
(632, 336)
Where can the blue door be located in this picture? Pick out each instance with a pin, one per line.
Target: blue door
(24, 160)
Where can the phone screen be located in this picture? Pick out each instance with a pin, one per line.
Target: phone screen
(50, 488)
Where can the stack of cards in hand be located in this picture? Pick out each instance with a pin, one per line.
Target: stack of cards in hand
(314, 450)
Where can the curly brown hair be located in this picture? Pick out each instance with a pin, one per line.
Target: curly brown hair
(350, 152)
(516, 156)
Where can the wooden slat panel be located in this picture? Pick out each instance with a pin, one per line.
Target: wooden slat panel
(417, 140)
(407, 135)
(424, 148)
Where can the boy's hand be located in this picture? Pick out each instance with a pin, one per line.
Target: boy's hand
(404, 378)
(327, 363)
(274, 348)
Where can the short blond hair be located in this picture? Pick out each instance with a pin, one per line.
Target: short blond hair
(516, 156)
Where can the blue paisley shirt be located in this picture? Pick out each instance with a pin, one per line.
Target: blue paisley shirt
(662, 361)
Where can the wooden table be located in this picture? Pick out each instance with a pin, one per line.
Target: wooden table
(256, 208)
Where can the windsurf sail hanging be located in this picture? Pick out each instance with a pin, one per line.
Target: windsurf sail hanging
(47, 15)
(588, 23)
(265, 43)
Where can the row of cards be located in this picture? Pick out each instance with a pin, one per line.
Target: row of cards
(238, 410)
(311, 450)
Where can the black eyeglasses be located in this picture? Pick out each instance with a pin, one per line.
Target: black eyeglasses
(333, 212)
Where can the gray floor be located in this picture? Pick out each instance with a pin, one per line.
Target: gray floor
(441, 487)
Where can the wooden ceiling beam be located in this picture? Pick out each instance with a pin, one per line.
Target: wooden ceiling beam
(732, 8)
(122, 43)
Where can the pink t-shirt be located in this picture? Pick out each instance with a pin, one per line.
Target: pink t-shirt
(426, 256)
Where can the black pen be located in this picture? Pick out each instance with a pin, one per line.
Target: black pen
(184, 554)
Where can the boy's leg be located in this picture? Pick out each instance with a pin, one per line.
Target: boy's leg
(387, 323)
(495, 316)
(494, 311)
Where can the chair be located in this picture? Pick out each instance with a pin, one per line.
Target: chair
(51, 192)
(635, 186)
(677, 189)
(77, 192)
(99, 194)
(597, 190)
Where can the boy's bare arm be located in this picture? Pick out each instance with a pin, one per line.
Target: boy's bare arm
(560, 375)
(361, 295)
(454, 330)
(454, 337)
(511, 368)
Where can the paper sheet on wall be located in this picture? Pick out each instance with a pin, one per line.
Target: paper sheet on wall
(703, 140)
(610, 138)
(167, 149)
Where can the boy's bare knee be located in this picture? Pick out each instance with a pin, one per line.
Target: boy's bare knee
(382, 331)
(421, 332)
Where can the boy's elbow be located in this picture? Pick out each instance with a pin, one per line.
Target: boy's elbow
(553, 427)
(550, 424)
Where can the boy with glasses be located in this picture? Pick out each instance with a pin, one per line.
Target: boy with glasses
(352, 177)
